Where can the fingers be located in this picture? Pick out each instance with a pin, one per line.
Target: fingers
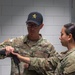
(18, 55)
(14, 53)
(9, 49)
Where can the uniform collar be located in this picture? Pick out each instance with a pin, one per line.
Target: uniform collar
(68, 52)
(27, 40)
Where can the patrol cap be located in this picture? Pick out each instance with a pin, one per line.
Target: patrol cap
(35, 17)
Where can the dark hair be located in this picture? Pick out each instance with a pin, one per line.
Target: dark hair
(70, 28)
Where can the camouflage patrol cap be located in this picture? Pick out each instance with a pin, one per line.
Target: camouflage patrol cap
(35, 17)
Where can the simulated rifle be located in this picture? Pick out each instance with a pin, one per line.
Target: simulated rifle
(16, 60)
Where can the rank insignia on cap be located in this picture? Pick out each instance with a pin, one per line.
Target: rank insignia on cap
(34, 16)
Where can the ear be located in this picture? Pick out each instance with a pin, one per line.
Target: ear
(70, 36)
(41, 26)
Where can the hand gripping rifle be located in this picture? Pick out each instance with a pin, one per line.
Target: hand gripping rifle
(16, 60)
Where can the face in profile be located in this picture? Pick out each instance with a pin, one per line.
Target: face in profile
(64, 37)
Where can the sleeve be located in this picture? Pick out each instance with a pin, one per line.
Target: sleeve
(45, 64)
(8, 42)
(69, 66)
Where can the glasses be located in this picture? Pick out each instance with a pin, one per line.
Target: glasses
(32, 25)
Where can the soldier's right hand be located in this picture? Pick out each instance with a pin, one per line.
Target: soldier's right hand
(9, 49)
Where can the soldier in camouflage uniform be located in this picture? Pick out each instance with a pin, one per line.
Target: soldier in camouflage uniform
(68, 57)
(42, 55)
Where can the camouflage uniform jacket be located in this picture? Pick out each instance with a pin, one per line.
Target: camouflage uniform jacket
(67, 63)
(42, 54)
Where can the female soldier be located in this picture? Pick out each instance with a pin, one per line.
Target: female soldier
(67, 39)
